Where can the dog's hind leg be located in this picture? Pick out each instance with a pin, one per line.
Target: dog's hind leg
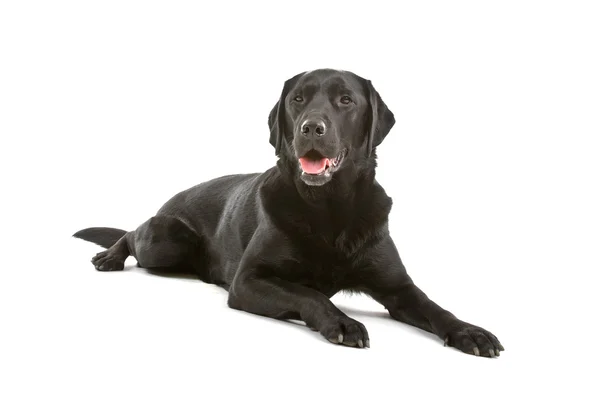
(113, 259)
(166, 242)
(162, 243)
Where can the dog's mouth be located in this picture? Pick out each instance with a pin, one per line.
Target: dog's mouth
(314, 163)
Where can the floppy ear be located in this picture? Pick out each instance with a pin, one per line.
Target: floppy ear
(382, 119)
(277, 116)
(275, 126)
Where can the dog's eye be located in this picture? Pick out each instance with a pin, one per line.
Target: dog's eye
(345, 100)
(298, 99)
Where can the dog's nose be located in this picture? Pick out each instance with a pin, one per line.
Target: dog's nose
(313, 126)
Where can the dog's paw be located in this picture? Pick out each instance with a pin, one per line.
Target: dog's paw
(346, 331)
(474, 340)
(105, 261)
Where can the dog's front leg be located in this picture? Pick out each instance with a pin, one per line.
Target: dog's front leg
(390, 285)
(260, 287)
(410, 305)
(276, 298)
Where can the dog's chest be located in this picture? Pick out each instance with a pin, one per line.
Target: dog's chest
(341, 227)
(326, 276)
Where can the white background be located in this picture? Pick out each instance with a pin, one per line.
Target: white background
(109, 108)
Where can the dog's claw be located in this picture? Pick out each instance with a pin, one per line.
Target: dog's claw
(472, 339)
(446, 342)
(345, 330)
(497, 353)
(107, 261)
(367, 343)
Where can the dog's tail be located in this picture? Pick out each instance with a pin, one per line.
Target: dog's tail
(104, 237)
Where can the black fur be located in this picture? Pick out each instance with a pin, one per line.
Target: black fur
(283, 242)
(104, 237)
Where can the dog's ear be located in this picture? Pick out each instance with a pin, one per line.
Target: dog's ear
(277, 116)
(275, 126)
(382, 119)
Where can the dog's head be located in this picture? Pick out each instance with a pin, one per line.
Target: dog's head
(328, 120)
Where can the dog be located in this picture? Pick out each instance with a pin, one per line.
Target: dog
(283, 242)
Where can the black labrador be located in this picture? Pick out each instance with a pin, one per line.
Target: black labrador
(283, 242)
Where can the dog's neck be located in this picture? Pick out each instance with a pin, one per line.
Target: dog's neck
(353, 202)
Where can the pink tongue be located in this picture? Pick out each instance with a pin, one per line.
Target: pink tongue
(313, 166)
